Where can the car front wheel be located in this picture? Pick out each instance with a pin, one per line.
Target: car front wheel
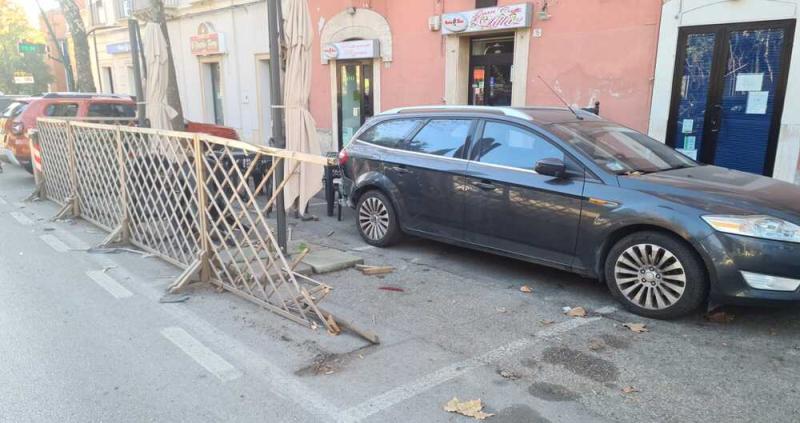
(377, 220)
(655, 275)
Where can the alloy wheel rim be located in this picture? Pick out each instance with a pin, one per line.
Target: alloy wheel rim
(373, 218)
(650, 276)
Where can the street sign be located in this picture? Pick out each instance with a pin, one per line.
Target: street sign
(32, 48)
(22, 78)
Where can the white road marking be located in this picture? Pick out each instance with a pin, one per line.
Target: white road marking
(55, 243)
(212, 362)
(21, 218)
(364, 248)
(405, 392)
(606, 310)
(3, 201)
(109, 284)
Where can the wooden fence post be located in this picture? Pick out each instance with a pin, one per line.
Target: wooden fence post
(202, 205)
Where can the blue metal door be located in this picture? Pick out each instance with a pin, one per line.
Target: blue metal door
(728, 93)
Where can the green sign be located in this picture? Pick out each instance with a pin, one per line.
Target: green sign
(26, 47)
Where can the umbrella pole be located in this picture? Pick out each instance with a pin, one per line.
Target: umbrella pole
(276, 94)
(137, 72)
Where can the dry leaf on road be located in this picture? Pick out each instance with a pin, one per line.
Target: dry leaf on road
(547, 322)
(629, 390)
(526, 289)
(467, 408)
(576, 312)
(636, 327)
(720, 317)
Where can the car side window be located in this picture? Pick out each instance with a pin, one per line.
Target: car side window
(442, 137)
(389, 133)
(101, 110)
(512, 146)
(61, 110)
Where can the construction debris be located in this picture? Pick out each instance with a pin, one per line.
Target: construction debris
(374, 270)
(467, 408)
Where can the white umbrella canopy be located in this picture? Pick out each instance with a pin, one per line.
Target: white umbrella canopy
(301, 133)
(154, 46)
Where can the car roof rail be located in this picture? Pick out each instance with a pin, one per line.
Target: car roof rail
(84, 95)
(505, 111)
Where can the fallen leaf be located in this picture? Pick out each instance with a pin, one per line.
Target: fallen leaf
(596, 344)
(636, 327)
(467, 408)
(526, 289)
(576, 312)
(547, 322)
(629, 390)
(720, 317)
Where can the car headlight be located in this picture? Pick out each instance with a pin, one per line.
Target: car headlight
(766, 227)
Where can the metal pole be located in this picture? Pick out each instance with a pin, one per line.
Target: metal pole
(137, 74)
(276, 94)
(97, 61)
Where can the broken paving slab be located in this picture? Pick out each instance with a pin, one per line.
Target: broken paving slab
(328, 260)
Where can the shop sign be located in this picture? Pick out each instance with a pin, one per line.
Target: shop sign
(207, 41)
(488, 19)
(358, 49)
(22, 78)
(118, 48)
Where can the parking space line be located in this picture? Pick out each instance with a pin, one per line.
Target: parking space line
(212, 362)
(109, 284)
(21, 218)
(402, 393)
(55, 243)
(364, 248)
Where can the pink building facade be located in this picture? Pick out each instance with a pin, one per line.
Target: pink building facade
(712, 79)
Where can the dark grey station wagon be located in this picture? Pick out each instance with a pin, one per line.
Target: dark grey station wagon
(570, 190)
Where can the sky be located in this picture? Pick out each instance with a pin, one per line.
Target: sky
(33, 10)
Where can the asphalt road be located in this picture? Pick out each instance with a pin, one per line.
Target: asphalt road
(83, 337)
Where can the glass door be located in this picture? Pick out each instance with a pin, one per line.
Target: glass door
(728, 93)
(355, 96)
(491, 69)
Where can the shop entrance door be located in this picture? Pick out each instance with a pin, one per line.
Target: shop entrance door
(491, 66)
(355, 97)
(728, 92)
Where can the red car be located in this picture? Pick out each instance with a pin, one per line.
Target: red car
(81, 106)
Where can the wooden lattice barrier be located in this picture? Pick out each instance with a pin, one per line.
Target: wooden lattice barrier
(187, 199)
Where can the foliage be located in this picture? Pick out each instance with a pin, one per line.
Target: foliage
(14, 26)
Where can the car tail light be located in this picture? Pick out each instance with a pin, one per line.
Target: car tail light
(17, 128)
(343, 157)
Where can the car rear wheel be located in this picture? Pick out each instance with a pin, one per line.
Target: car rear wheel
(377, 220)
(655, 275)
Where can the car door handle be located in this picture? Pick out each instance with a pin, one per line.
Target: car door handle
(484, 185)
(399, 169)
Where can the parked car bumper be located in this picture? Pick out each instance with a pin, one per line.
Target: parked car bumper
(740, 265)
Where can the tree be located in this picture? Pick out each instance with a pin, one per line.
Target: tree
(62, 56)
(14, 27)
(80, 41)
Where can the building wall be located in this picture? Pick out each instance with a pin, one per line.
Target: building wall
(121, 64)
(59, 25)
(589, 50)
(244, 27)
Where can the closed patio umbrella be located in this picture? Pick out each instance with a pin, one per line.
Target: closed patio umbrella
(301, 134)
(159, 113)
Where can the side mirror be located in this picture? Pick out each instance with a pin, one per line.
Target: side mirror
(551, 167)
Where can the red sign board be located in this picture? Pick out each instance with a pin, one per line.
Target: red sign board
(208, 44)
(488, 19)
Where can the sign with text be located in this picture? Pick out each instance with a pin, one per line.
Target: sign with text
(488, 19)
(358, 49)
(23, 78)
(207, 41)
(31, 48)
(118, 48)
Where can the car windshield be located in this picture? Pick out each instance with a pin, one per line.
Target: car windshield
(620, 150)
(14, 109)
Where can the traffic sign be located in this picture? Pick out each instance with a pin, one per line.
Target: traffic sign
(21, 78)
(33, 48)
